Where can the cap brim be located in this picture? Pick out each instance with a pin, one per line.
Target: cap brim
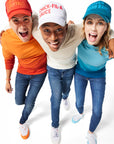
(97, 13)
(22, 11)
(58, 21)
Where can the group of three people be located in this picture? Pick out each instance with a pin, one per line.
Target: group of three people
(52, 49)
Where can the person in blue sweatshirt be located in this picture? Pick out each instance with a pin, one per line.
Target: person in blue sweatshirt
(92, 57)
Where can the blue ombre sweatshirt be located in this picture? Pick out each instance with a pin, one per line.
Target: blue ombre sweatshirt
(89, 61)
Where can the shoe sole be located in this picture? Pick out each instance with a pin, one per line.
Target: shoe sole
(73, 121)
(25, 137)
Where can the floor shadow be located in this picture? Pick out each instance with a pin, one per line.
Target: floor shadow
(106, 121)
(43, 111)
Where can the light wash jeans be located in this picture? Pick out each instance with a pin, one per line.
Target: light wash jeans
(60, 82)
(98, 92)
(31, 82)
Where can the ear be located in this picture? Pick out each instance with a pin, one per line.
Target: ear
(10, 23)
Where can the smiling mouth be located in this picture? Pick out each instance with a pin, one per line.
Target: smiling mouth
(23, 34)
(53, 44)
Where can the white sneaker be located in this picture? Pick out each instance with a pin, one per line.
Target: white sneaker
(66, 104)
(55, 135)
(24, 131)
(91, 138)
(76, 118)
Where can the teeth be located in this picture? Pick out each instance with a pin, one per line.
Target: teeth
(93, 34)
(54, 43)
(22, 32)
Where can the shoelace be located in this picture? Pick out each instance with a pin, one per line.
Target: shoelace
(24, 130)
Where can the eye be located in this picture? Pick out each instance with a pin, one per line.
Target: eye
(46, 30)
(59, 30)
(26, 20)
(16, 21)
(89, 22)
(100, 23)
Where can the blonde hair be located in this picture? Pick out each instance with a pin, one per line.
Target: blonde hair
(104, 40)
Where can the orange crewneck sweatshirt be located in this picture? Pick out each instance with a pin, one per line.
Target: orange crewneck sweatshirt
(31, 57)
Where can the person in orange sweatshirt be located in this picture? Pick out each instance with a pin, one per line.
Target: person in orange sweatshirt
(18, 41)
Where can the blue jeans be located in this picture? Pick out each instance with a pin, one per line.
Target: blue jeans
(60, 82)
(98, 91)
(31, 82)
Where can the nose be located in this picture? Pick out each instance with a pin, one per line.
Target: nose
(94, 27)
(53, 36)
(23, 25)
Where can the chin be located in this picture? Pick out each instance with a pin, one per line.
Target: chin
(91, 43)
(24, 39)
(54, 50)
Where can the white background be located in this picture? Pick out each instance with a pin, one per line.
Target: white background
(40, 119)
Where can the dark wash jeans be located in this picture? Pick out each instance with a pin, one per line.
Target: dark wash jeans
(98, 91)
(60, 82)
(27, 88)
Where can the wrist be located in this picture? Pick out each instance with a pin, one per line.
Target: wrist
(8, 79)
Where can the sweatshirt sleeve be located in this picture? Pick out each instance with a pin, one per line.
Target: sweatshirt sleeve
(111, 34)
(9, 63)
(9, 58)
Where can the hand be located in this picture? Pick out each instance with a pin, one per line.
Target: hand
(111, 55)
(70, 22)
(8, 87)
(111, 48)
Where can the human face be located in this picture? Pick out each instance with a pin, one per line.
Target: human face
(22, 26)
(94, 28)
(53, 34)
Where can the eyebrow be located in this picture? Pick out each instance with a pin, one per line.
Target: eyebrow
(101, 20)
(17, 17)
(46, 24)
(93, 18)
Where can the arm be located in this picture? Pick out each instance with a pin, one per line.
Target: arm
(9, 60)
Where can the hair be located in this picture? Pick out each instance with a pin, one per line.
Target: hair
(104, 42)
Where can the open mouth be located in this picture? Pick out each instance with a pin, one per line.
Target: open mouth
(23, 34)
(92, 37)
